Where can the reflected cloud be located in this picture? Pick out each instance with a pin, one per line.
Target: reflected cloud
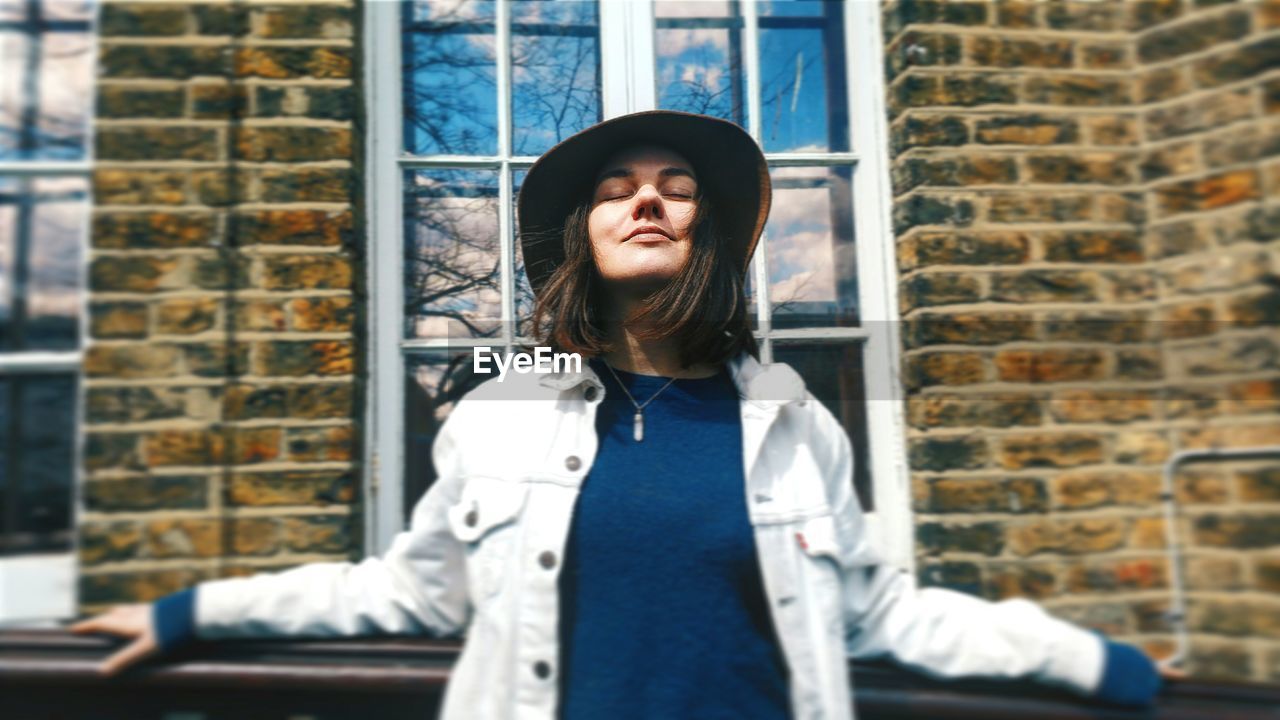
(811, 263)
(803, 265)
(692, 8)
(673, 42)
(451, 254)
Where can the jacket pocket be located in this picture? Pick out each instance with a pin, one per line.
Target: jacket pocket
(485, 520)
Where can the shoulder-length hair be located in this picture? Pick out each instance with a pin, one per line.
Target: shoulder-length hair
(703, 306)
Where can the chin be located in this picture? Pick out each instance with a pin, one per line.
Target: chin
(644, 280)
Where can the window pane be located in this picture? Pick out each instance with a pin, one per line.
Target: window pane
(803, 90)
(41, 226)
(450, 95)
(68, 9)
(47, 121)
(434, 382)
(451, 270)
(555, 71)
(524, 291)
(832, 371)
(38, 425)
(698, 48)
(812, 267)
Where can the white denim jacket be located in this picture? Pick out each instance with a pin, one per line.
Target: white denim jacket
(482, 554)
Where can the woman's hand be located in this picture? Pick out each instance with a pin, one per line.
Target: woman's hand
(127, 621)
(1169, 672)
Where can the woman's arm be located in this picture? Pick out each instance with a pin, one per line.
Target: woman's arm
(417, 586)
(945, 633)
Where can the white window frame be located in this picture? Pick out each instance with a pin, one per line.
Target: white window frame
(628, 85)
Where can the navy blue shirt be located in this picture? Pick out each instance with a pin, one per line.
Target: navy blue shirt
(663, 610)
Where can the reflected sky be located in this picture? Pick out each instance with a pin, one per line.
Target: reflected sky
(42, 223)
(812, 270)
(451, 280)
(699, 59)
(555, 72)
(803, 98)
(450, 71)
(47, 119)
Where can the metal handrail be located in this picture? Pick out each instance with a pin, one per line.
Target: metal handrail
(1177, 614)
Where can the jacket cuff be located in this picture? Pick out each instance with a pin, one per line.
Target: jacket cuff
(173, 617)
(1129, 677)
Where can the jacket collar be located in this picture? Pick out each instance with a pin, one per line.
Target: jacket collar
(764, 385)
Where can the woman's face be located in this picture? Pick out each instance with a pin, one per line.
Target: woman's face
(641, 214)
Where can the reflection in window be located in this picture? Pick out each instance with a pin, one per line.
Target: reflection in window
(812, 263)
(524, 297)
(434, 382)
(46, 54)
(555, 72)
(37, 429)
(449, 70)
(49, 43)
(832, 371)
(803, 91)
(42, 221)
(803, 85)
(699, 58)
(451, 254)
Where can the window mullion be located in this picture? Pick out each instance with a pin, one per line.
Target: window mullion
(506, 233)
(751, 69)
(877, 283)
(627, 56)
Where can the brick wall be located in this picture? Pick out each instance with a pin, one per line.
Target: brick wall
(222, 374)
(1087, 203)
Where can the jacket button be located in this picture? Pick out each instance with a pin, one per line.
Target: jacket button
(472, 518)
(590, 393)
(542, 669)
(547, 559)
(573, 463)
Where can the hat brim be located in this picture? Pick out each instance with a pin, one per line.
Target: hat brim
(730, 166)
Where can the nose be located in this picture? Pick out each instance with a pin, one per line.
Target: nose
(648, 202)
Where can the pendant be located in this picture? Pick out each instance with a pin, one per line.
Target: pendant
(639, 426)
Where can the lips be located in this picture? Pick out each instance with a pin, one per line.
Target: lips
(648, 230)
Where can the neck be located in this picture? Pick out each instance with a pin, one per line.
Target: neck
(651, 357)
(641, 355)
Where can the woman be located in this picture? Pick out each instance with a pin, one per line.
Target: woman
(591, 530)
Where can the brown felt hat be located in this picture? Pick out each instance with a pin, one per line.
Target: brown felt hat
(730, 166)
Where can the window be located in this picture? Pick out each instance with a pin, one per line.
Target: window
(47, 51)
(467, 93)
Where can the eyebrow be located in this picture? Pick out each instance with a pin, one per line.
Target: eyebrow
(622, 172)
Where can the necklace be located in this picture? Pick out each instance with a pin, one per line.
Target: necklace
(638, 421)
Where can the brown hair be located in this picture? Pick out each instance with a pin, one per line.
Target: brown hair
(703, 306)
